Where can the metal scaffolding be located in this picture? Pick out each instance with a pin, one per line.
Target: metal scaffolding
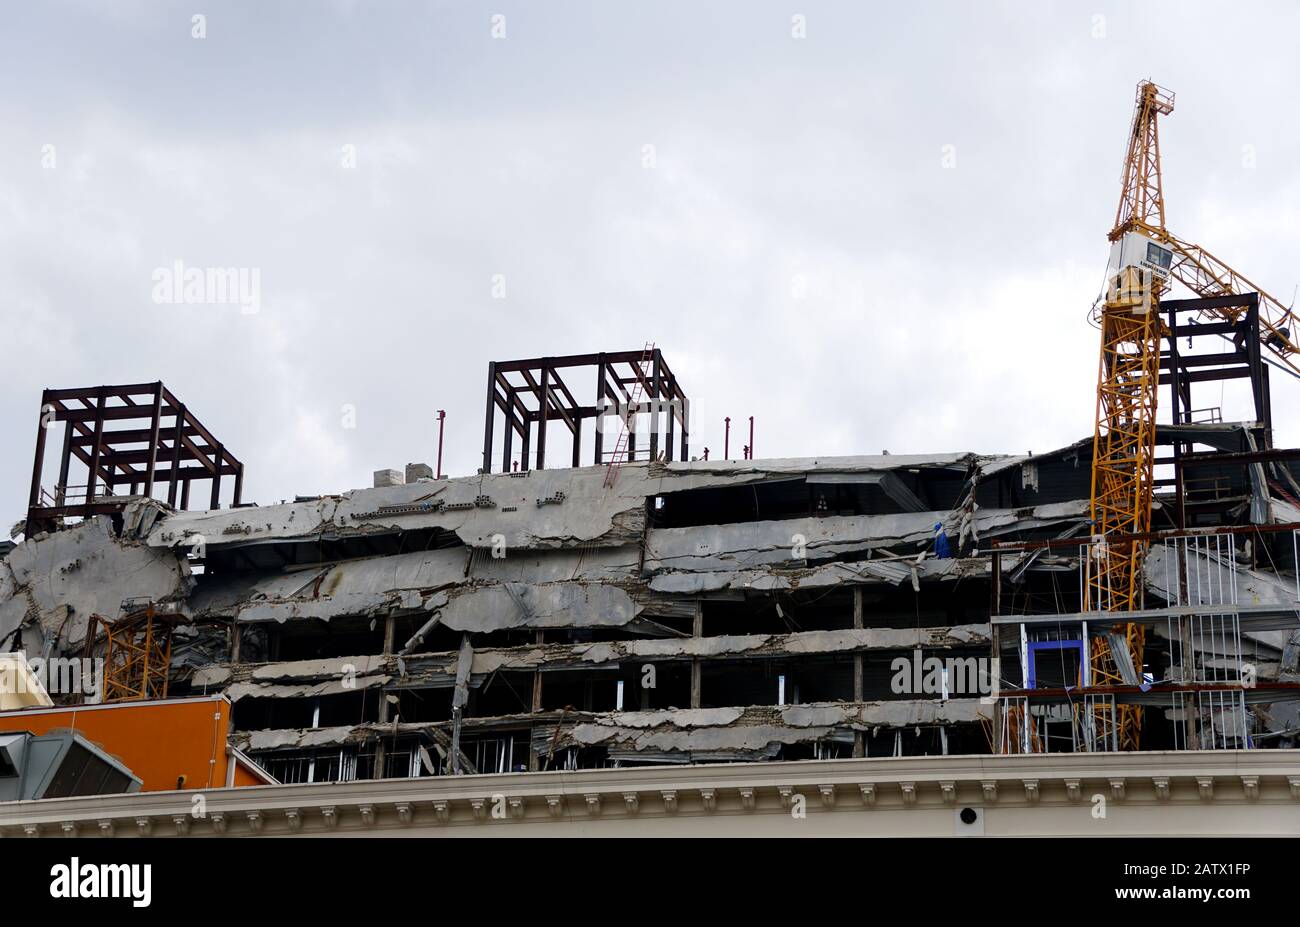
(1197, 675)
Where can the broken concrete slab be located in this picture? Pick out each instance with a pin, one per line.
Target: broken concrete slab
(795, 541)
(437, 670)
(554, 605)
(539, 509)
(64, 577)
(714, 731)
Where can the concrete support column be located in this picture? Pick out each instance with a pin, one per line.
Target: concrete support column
(535, 760)
(697, 630)
(859, 738)
(381, 751)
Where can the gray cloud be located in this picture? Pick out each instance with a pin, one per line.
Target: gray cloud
(943, 309)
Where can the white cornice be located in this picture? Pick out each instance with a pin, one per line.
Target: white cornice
(1191, 779)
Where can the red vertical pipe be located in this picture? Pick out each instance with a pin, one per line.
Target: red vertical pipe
(442, 418)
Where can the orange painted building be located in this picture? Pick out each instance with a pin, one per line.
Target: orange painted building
(170, 744)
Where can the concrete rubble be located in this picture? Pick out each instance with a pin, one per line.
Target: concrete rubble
(695, 611)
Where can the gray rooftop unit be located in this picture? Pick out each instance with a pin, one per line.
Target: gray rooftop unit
(58, 765)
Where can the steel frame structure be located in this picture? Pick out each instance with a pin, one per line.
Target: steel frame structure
(627, 419)
(162, 437)
(1236, 320)
(526, 395)
(137, 654)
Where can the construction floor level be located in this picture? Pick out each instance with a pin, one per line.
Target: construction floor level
(664, 611)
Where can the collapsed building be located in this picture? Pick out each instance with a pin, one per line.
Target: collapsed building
(651, 608)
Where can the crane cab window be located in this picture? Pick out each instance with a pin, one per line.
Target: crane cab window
(1160, 257)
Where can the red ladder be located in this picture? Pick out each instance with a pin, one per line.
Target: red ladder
(625, 434)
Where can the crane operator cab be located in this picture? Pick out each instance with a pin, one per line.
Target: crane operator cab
(1138, 264)
(1133, 249)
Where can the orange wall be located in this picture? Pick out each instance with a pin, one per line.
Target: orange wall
(243, 776)
(158, 741)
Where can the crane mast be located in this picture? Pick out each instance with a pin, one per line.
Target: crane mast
(1146, 259)
(1142, 198)
(1128, 378)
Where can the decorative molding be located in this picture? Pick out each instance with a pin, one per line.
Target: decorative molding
(1179, 782)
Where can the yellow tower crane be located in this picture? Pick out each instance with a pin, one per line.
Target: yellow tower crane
(1145, 259)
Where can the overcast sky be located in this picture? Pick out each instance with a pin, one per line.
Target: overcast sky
(799, 240)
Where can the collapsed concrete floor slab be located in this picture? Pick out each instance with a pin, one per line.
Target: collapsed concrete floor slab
(691, 612)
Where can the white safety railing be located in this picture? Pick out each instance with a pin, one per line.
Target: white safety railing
(1201, 569)
(1216, 717)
